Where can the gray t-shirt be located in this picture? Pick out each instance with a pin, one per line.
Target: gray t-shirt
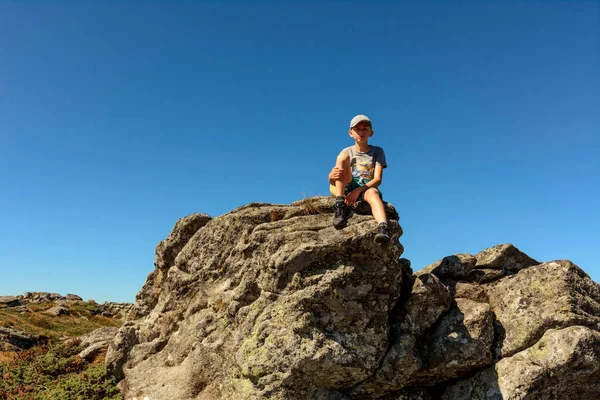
(362, 165)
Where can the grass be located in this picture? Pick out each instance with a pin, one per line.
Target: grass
(81, 320)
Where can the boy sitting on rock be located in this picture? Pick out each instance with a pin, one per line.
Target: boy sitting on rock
(357, 173)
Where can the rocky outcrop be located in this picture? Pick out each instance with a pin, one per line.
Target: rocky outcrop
(40, 297)
(95, 342)
(15, 340)
(112, 309)
(271, 302)
(10, 301)
(61, 303)
(563, 364)
(57, 311)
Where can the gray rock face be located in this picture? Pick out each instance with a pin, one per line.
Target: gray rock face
(555, 294)
(14, 340)
(58, 311)
(503, 257)
(10, 301)
(112, 309)
(429, 299)
(259, 300)
(72, 297)
(461, 342)
(564, 364)
(271, 302)
(454, 267)
(40, 297)
(95, 342)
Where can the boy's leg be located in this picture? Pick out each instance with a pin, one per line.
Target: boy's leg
(372, 197)
(343, 162)
(341, 211)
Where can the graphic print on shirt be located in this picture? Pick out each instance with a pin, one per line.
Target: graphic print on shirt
(364, 171)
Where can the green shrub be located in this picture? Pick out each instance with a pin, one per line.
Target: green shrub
(85, 307)
(54, 373)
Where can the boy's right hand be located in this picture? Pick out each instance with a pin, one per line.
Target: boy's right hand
(336, 174)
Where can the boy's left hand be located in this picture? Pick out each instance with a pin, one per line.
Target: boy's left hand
(353, 195)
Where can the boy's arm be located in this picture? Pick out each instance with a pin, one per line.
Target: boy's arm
(377, 177)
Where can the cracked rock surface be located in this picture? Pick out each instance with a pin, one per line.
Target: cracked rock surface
(271, 302)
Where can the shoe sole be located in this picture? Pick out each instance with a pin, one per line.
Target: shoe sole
(382, 239)
(340, 226)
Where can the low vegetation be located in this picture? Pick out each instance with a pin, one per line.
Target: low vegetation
(33, 319)
(53, 371)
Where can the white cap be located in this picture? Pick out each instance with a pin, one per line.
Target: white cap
(359, 118)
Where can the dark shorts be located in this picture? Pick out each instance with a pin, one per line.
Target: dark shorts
(356, 183)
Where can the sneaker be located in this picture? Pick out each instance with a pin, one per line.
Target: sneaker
(383, 233)
(340, 215)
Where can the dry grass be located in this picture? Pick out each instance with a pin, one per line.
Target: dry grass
(8, 356)
(310, 206)
(276, 215)
(37, 322)
(100, 357)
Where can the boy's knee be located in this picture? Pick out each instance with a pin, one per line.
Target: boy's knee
(371, 194)
(343, 158)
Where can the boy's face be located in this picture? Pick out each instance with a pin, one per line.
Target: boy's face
(361, 132)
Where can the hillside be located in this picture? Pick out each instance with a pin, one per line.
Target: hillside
(53, 347)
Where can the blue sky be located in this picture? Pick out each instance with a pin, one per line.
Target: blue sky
(118, 118)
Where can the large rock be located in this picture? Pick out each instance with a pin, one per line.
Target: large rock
(15, 340)
(460, 343)
(428, 301)
(95, 342)
(268, 301)
(564, 364)
(504, 257)
(400, 363)
(112, 309)
(10, 301)
(554, 294)
(57, 311)
(450, 268)
(41, 297)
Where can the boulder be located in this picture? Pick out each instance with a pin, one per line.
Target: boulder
(10, 301)
(504, 257)
(459, 344)
(40, 297)
(551, 295)
(95, 342)
(72, 297)
(271, 302)
(563, 364)
(429, 299)
(399, 364)
(455, 267)
(15, 340)
(267, 301)
(112, 309)
(58, 311)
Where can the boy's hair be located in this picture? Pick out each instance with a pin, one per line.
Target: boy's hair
(360, 118)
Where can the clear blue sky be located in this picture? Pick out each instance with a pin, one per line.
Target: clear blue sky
(118, 118)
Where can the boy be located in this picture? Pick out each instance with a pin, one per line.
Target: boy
(357, 173)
